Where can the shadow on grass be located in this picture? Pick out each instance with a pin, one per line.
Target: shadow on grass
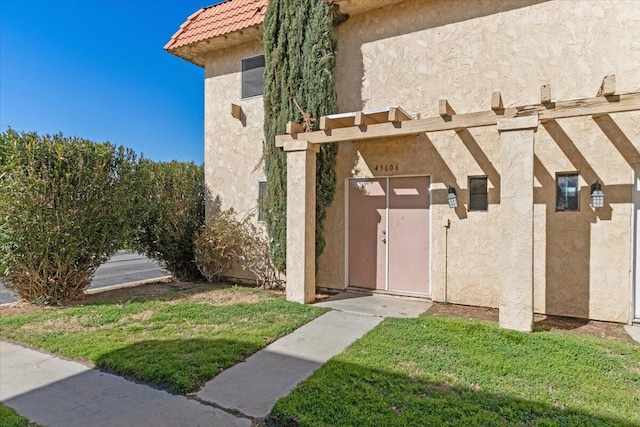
(178, 366)
(559, 322)
(345, 394)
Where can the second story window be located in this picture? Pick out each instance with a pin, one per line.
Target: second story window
(252, 76)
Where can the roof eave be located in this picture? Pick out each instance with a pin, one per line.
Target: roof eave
(196, 52)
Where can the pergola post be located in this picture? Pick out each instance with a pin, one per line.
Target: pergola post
(517, 136)
(301, 220)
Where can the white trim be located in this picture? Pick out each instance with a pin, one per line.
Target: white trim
(634, 312)
(386, 236)
(430, 290)
(346, 233)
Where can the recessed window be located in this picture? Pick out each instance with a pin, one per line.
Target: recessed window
(478, 194)
(262, 190)
(567, 192)
(252, 76)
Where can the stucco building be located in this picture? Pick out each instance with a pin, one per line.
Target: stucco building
(509, 109)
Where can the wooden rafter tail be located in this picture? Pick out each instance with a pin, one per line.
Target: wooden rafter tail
(397, 114)
(326, 123)
(545, 94)
(444, 108)
(362, 119)
(608, 86)
(294, 128)
(236, 111)
(496, 101)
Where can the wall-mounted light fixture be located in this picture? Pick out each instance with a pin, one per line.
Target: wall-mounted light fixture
(452, 198)
(597, 196)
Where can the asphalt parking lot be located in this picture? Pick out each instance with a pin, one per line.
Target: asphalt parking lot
(123, 267)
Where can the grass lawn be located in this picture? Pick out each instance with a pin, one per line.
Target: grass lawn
(175, 340)
(440, 371)
(10, 418)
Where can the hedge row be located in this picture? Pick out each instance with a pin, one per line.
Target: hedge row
(67, 204)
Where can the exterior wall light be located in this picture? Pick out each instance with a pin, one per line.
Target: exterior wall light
(452, 198)
(597, 196)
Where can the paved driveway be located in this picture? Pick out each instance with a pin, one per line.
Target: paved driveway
(123, 267)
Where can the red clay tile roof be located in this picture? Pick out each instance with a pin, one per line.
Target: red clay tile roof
(218, 20)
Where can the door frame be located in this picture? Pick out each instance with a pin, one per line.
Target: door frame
(634, 314)
(346, 232)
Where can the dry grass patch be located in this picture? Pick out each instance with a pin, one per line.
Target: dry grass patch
(174, 335)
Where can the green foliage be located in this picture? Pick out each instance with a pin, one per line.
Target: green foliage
(453, 372)
(176, 342)
(300, 61)
(10, 418)
(64, 209)
(226, 241)
(168, 214)
(218, 245)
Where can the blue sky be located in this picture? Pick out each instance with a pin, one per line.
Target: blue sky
(97, 69)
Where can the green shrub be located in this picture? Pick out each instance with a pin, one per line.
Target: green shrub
(64, 210)
(226, 241)
(169, 212)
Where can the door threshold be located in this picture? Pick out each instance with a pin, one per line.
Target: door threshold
(367, 291)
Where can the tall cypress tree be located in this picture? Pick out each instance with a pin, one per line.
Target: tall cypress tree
(300, 62)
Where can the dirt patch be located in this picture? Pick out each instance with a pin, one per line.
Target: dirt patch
(210, 293)
(541, 322)
(583, 326)
(465, 311)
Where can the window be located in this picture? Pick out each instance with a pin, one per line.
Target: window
(567, 192)
(252, 76)
(478, 194)
(262, 190)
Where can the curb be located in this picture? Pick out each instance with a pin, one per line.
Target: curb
(113, 287)
(127, 285)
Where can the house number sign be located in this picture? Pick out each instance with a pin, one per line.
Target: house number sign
(389, 167)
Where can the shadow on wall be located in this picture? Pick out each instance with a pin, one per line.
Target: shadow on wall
(439, 16)
(568, 234)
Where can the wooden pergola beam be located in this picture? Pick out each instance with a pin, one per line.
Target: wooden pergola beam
(364, 119)
(608, 86)
(444, 109)
(558, 110)
(545, 94)
(328, 123)
(294, 128)
(496, 101)
(397, 114)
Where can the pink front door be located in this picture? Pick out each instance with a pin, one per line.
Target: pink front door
(367, 225)
(389, 234)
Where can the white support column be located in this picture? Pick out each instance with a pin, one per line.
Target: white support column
(301, 220)
(517, 137)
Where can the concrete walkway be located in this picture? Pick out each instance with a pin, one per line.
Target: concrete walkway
(54, 392)
(633, 331)
(254, 386)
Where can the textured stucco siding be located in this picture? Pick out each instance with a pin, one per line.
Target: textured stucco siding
(233, 149)
(411, 54)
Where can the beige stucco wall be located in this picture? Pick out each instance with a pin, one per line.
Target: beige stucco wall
(233, 149)
(415, 52)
